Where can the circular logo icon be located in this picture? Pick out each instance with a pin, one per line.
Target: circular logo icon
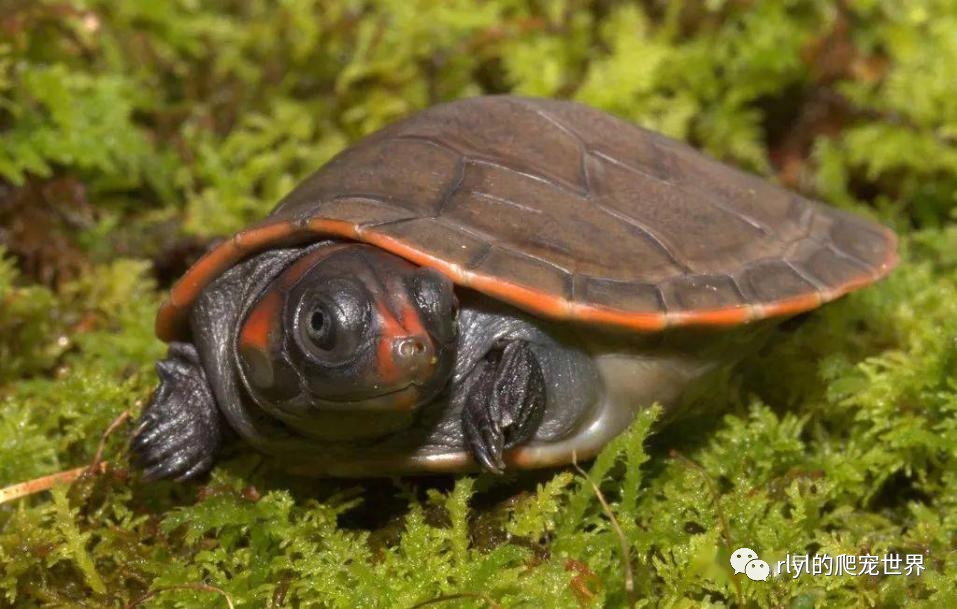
(741, 557)
(757, 570)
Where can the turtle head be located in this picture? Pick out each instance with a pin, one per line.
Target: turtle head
(349, 341)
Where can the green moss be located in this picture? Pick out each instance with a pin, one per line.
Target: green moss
(182, 120)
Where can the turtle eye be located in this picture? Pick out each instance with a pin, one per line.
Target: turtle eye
(331, 321)
(321, 328)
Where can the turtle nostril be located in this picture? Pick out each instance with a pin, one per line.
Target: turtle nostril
(411, 349)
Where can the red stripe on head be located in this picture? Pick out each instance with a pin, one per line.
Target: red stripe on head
(259, 334)
(262, 323)
(412, 323)
(391, 329)
(408, 325)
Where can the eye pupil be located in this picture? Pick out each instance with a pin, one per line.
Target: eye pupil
(321, 329)
(317, 322)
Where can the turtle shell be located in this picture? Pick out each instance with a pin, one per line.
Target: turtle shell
(572, 214)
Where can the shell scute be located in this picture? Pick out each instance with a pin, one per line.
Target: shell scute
(537, 147)
(771, 280)
(702, 293)
(401, 173)
(439, 240)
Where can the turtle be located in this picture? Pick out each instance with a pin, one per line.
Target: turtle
(494, 283)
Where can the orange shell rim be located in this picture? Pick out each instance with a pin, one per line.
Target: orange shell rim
(171, 321)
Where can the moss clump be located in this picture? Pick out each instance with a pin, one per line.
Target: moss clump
(132, 132)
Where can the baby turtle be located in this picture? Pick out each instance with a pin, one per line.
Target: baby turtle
(498, 282)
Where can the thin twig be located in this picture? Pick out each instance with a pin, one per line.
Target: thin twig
(45, 483)
(98, 456)
(451, 597)
(625, 550)
(196, 586)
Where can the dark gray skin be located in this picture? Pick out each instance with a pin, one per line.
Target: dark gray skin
(476, 378)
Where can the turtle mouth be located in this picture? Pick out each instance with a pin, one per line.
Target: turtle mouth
(403, 398)
(394, 399)
(340, 420)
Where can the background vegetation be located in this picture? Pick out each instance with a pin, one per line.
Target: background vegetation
(131, 133)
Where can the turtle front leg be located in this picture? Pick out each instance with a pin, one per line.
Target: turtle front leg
(179, 433)
(504, 403)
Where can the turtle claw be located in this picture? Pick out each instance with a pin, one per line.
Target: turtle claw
(179, 433)
(163, 469)
(482, 431)
(504, 404)
(197, 469)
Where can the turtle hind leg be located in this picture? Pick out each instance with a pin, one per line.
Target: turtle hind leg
(505, 403)
(180, 431)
